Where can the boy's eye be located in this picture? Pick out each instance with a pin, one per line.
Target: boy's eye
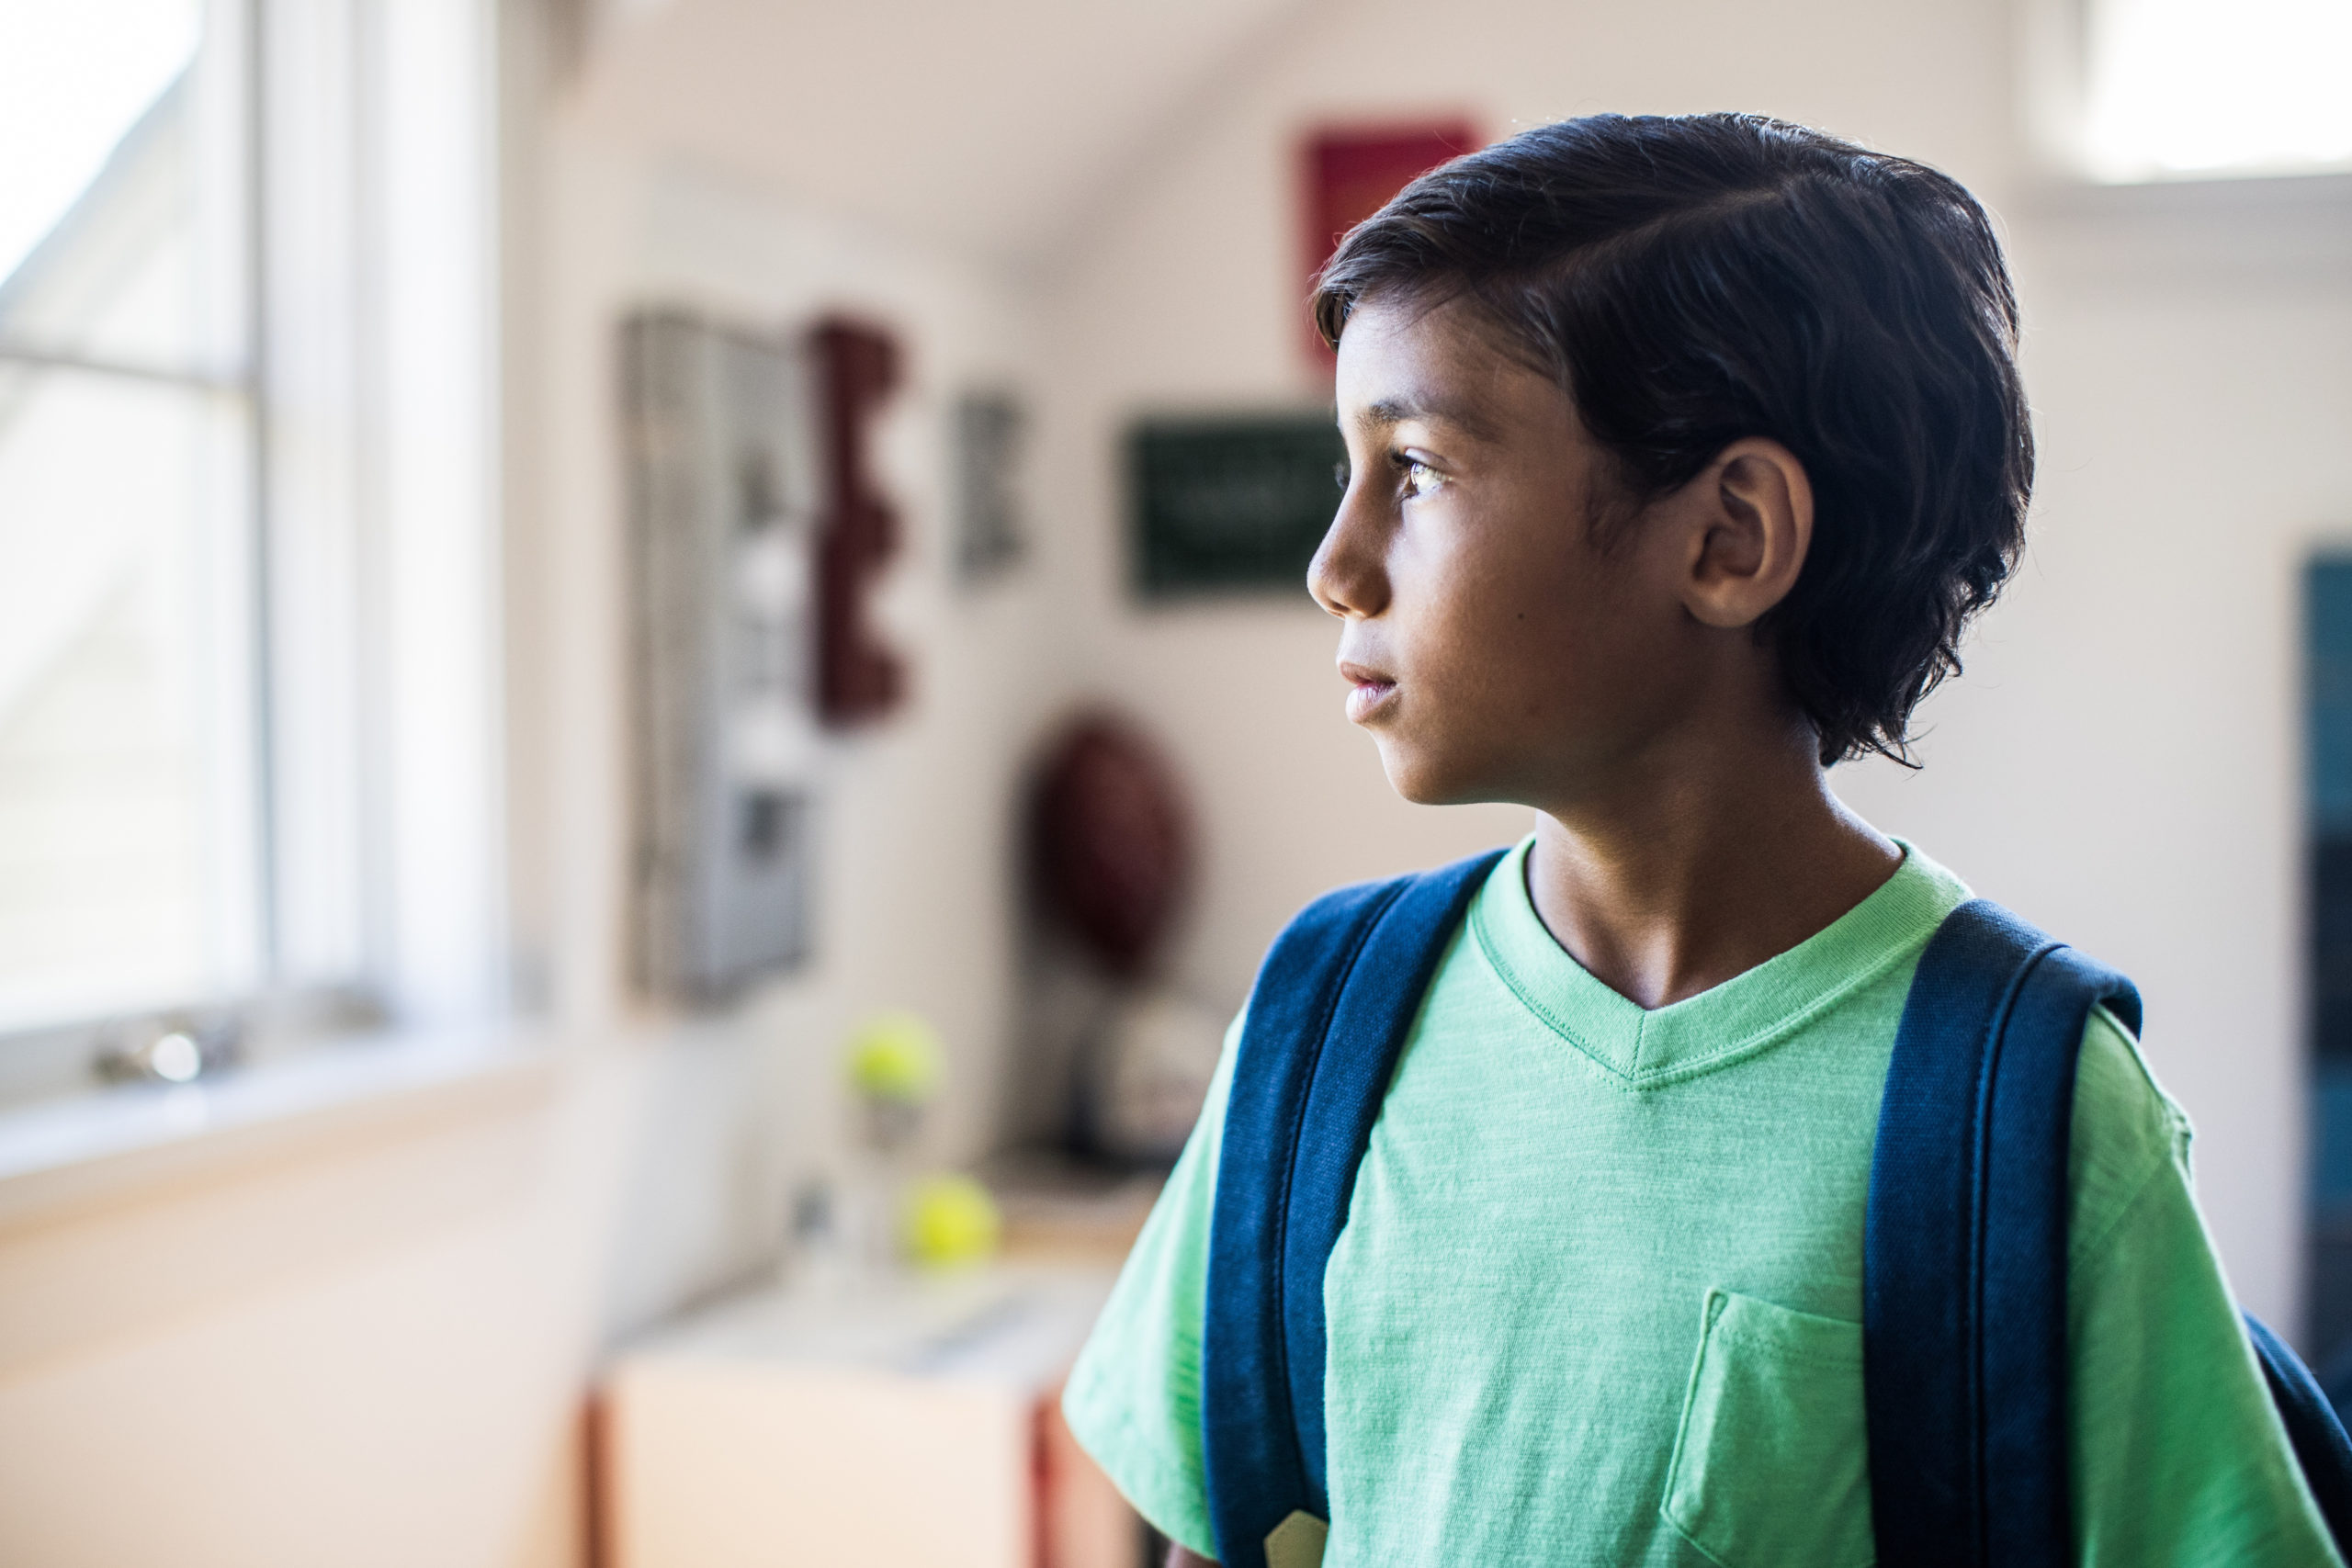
(1419, 478)
(1340, 476)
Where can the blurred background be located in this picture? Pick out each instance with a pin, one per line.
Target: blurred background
(654, 699)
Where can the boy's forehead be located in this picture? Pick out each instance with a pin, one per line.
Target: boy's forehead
(1401, 363)
(1404, 360)
(1437, 407)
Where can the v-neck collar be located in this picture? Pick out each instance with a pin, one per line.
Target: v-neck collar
(1644, 1048)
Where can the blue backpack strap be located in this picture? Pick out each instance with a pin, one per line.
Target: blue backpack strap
(1964, 1261)
(1334, 1000)
(2312, 1426)
(1964, 1254)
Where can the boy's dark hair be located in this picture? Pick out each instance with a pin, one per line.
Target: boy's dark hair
(1694, 280)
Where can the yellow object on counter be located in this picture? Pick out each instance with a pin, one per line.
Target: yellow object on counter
(895, 1056)
(951, 1220)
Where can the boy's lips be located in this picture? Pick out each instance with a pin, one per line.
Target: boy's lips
(1368, 691)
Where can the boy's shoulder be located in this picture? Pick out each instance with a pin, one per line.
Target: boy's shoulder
(2128, 1132)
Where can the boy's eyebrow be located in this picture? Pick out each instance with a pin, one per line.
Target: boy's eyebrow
(1396, 411)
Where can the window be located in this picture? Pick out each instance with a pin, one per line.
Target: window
(248, 752)
(2177, 88)
(130, 831)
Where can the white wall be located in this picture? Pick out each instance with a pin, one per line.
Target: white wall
(365, 1338)
(2124, 760)
(359, 1348)
(914, 871)
(2120, 763)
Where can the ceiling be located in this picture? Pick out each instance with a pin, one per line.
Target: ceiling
(991, 127)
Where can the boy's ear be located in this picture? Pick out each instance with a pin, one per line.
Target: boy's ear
(1748, 522)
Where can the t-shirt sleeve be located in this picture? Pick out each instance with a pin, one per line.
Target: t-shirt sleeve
(1134, 1399)
(2180, 1457)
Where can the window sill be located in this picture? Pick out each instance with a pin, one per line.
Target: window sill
(2294, 229)
(2200, 196)
(110, 1143)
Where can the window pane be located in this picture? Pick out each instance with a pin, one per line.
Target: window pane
(126, 837)
(2241, 87)
(119, 217)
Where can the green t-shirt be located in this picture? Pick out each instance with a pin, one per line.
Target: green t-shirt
(1599, 1294)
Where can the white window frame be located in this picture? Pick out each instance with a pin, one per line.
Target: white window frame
(374, 596)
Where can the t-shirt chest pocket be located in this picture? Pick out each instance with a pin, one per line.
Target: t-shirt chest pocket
(1770, 1466)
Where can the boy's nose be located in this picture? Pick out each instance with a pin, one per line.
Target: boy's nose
(1346, 576)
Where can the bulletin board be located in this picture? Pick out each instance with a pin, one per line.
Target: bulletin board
(1234, 503)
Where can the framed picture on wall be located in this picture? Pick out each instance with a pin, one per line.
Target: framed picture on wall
(1230, 503)
(1346, 172)
(726, 488)
(991, 536)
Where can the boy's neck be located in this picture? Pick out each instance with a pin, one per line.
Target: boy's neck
(1703, 867)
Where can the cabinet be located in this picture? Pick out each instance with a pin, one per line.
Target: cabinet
(900, 1423)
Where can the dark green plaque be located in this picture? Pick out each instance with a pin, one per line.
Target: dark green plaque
(1230, 505)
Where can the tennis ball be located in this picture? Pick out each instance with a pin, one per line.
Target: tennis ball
(894, 1056)
(951, 1220)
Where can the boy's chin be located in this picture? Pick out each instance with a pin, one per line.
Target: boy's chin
(1424, 778)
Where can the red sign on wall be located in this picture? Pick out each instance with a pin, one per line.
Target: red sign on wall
(1351, 172)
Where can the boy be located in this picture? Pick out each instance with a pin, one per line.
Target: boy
(1681, 451)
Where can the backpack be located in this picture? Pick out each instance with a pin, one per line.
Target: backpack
(1964, 1251)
